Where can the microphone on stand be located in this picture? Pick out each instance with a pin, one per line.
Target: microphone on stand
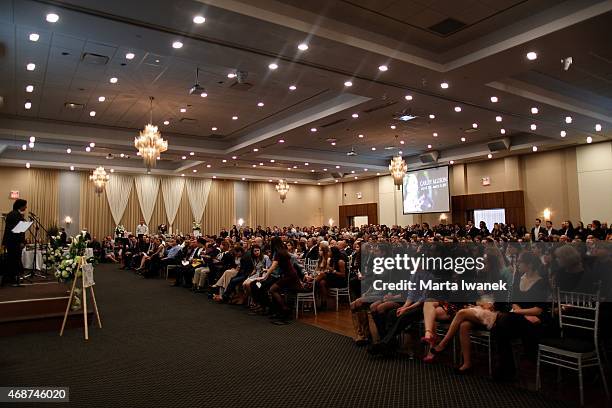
(32, 214)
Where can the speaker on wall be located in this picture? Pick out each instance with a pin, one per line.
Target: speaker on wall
(499, 144)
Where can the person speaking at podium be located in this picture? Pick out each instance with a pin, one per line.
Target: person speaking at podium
(13, 243)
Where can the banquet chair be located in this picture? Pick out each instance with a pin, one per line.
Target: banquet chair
(578, 313)
(345, 291)
(303, 297)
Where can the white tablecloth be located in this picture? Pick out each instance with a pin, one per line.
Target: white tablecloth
(27, 258)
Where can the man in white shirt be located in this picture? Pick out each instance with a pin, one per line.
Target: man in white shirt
(142, 229)
(537, 230)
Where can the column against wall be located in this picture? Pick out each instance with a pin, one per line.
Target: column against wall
(69, 201)
(594, 163)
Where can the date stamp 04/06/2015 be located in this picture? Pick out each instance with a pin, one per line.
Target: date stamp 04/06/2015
(34, 394)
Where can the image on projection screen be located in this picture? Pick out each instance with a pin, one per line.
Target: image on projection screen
(426, 191)
(490, 216)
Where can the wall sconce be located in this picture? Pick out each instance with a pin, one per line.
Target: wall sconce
(442, 217)
(331, 222)
(240, 222)
(68, 220)
(546, 214)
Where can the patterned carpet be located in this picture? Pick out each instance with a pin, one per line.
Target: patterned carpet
(165, 347)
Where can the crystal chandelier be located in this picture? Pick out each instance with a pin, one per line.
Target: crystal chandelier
(283, 188)
(150, 143)
(398, 168)
(99, 178)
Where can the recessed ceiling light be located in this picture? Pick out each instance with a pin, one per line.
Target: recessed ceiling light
(463, 138)
(360, 136)
(429, 146)
(68, 150)
(88, 149)
(32, 139)
(352, 171)
(224, 161)
(502, 131)
(534, 110)
(373, 149)
(533, 126)
(255, 149)
(348, 83)
(355, 115)
(383, 68)
(494, 99)
(101, 98)
(112, 170)
(195, 171)
(92, 145)
(231, 75)
(475, 125)
(113, 80)
(444, 85)
(451, 162)
(432, 116)
(435, 134)
(325, 169)
(52, 18)
(192, 153)
(31, 66)
(34, 37)
(393, 127)
(234, 117)
(261, 163)
(534, 148)
(122, 155)
(31, 145)
(199, 19)
(531, 56)
(598, 127)
(29, 88)
(303, 47)
(272, 160)
(498, 118)
(568, 119)
(490, 156)
(563, 133)
(214, 177)
(306, 164)
(457, 108)
(260, 104)
(243, 179)
(208, 166)
(130, 55)
(183, 110)
(335, 181)
(214, 128)
(402, 142)
(166, 122)
(313, 129)
(292, 88)
(295, 167)
(589, 139)
(281, 140)
(71, 168)
(408, 97)
(177, 45)
(182, 174)
(203, 94)
(92, 113)
(337, 167)
(234, 157)
(27, 105)
(333, 143)
(273, 66)
(27, 165)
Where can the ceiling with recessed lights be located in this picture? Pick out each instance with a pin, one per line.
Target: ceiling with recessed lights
(307, 91)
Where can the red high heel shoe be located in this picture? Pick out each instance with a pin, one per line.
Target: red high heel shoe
(429, 340)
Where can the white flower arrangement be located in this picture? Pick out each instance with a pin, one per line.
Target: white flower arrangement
(196, 226)
(119, 230)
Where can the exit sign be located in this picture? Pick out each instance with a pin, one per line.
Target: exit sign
(14, 195)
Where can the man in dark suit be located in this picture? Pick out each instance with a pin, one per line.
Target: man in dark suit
(550, 231)
(13, 243)
(312, 252)
(537, 230)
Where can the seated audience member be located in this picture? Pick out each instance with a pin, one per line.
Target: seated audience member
(334, 275)
(109, 250)
(526, 318)
(567, 229)
(97, 249)
(288, 280)
(260, 263)
(171, 256)
(152, 257)
(433, 312)
(260, 287)
(190, 259)
(597, 231)
(130, 247)
(232, 270)
(202, 270)
(245, 269)
(312, 250)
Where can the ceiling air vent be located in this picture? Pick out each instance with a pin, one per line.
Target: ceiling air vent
(335, 122)
(241, 86)
(73, 105)
(447, 27)
(188, 121)
(94, 59)
(378, 107)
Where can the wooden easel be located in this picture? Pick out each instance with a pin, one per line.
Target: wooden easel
(84, 296)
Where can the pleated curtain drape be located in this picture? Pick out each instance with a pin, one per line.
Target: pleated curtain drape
(147, 188)
(172, 190)
(43, 196)
(132, 214)
(94, 213)
(118, 191)
(258, 204)
(219, 212)
(197, 192)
